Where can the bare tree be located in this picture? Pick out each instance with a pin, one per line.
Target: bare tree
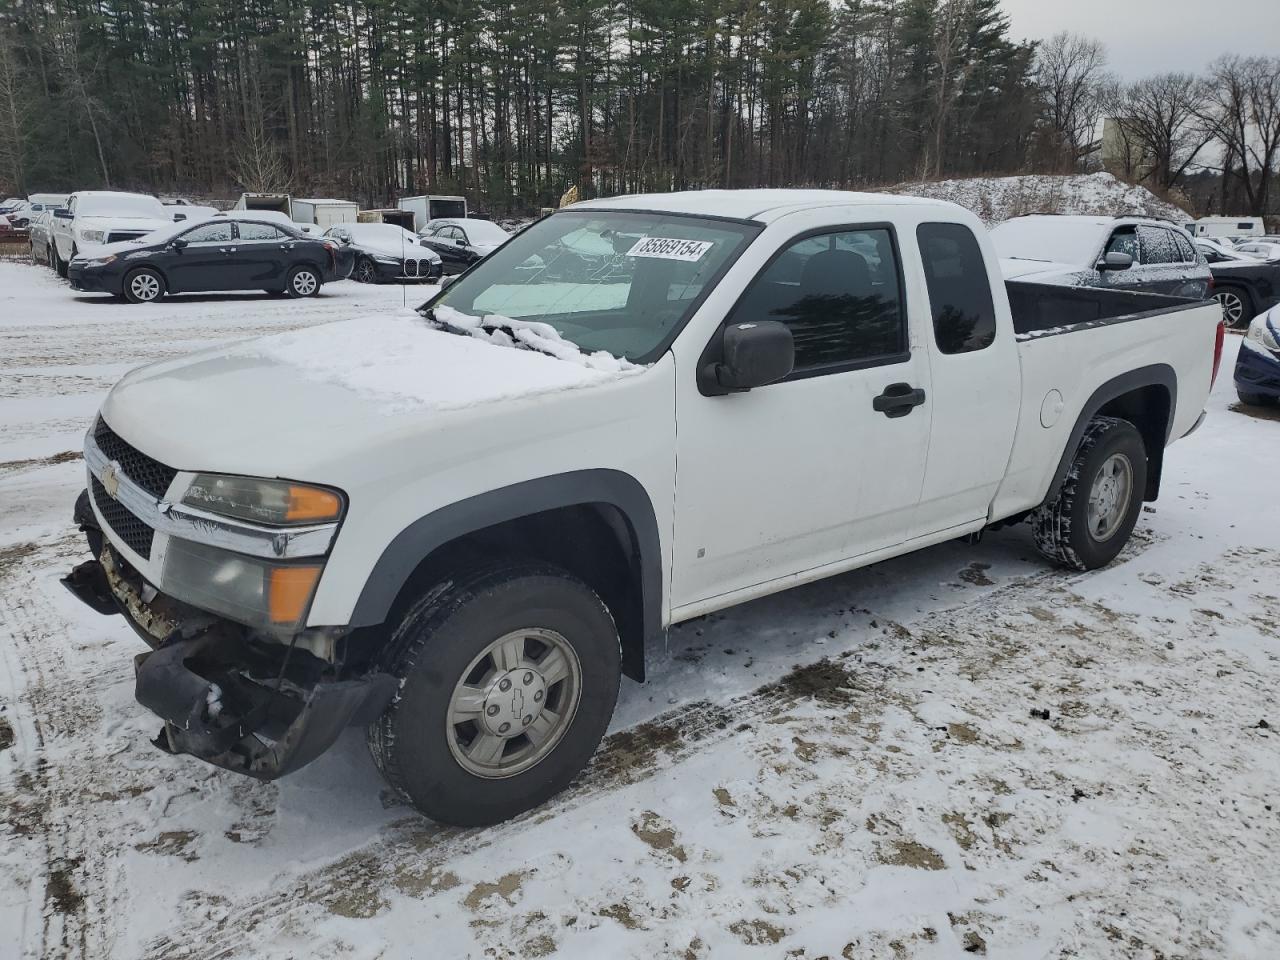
(1242, 108)
(1071, 72)
(1163, 117)
(15, 111)
(953, 16)
(79, 78)
(259, 166)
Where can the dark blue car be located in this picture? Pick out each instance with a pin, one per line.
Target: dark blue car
(1258, 365)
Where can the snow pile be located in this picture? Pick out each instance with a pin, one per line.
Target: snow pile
(995, 199)
(506, 332)
(404, 363)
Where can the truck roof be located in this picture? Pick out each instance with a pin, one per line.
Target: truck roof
(763, 205)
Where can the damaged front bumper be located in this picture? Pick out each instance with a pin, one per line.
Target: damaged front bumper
(225, 695)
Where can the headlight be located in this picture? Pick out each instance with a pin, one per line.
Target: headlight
(272, 597)
(101, 261)
(93, 236)
(1261, 332)
(271, 502)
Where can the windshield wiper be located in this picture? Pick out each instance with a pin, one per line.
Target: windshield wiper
(491, 322)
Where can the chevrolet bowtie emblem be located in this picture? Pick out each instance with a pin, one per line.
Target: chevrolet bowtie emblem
(111, 480)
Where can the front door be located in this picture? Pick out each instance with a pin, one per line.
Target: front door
(206, 262)
(826, 465)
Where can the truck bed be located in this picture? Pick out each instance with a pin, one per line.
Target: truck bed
(1076, 341)
(1046, 309)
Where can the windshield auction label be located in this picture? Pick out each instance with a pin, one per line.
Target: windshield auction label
(660, 248)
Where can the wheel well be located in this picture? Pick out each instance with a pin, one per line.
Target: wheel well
(593, 541)
(1149, 409)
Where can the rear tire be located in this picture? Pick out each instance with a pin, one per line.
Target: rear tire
(1237, 306)
(302, 282)
(143, 285)
(1091, 519)
(485, 657)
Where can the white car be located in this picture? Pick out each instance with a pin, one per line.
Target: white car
(1262, 249)
(493, 509)
(94, 218)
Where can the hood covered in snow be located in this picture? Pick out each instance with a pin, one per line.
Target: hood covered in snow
(289, 404)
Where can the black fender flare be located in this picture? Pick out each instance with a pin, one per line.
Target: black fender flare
(417, 541)
(1155, 375)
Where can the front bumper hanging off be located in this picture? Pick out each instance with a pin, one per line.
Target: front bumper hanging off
(230, 699)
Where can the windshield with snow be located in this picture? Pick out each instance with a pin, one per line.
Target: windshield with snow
(1053, 239)
(124, 205)
(618, 282)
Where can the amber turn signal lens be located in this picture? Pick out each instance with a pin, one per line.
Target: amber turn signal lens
(289, 591)
(312, 503)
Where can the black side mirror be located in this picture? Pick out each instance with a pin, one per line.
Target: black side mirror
(460, 243)
(178, 243)
(62, 213)
(755, 354)
(179, 216)
(1115, 261)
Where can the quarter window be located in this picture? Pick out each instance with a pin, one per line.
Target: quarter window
(964, 315)
(840, 295)
(209, 233)
(1158, 246)
(1187, 251)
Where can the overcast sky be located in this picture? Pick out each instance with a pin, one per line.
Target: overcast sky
(1156, 36)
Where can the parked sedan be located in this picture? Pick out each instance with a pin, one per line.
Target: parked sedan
(1244, 285)
(463, 241)
(1262, 249)
(386, 252)
(217, 254)
(38, 233)
(1258, 363)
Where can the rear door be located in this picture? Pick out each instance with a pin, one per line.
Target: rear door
(973, 363)
(1164, 269)
(261, 255)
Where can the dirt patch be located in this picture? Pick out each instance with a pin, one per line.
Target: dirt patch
(628, 754)
(756, 932)
(824, 681)
(962, 829)
(12, 466)
(6, 734)
(506, 887)
(11, 557)
(541, 946)
(620, 912)
(962, 733)
(723, 797)
(976, 574)
(172, 843)
(424, 882)
(908, 853)
(659, 835)
(60, 890)
(359, 903)
(1258, 413)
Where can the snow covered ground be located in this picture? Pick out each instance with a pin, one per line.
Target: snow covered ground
(995, 199)
(961, 752)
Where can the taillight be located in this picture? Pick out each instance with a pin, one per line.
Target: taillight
(1217, 352)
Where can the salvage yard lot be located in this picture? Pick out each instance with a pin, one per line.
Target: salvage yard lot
(960, 750)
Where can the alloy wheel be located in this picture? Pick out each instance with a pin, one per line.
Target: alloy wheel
(145, 287)
(304, 283)
(1232, 307)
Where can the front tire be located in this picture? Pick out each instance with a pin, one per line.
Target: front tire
(59, 265)
(510, 675)
(365, 271)
(303, 282)
(1090, 521)
(143, 285)
(1237, 306)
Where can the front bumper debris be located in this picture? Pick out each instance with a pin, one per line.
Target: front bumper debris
(228, 698)
(213, 711)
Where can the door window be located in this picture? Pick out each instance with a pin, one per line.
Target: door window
(1185, 249)
(840, 294)
(260, 231)
(1158, 246)
(209, 233)
(1124, 240)
(964, 315)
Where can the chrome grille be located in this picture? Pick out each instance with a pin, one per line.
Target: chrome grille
(151, 475)
(136, 534)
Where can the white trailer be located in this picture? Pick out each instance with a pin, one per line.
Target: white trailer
(1228, 227)
(325, 213)
(280, 202)
(428, 208)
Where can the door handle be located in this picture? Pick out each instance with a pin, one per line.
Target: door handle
(898, 400)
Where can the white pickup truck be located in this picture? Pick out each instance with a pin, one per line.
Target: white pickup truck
(461, 528)
(94, 218)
